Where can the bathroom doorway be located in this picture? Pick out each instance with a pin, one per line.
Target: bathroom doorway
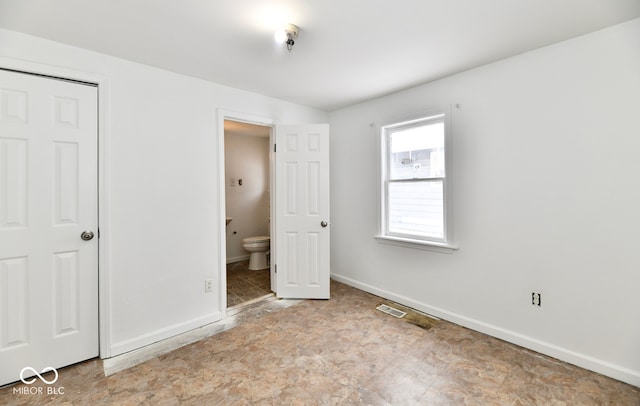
(247, 157)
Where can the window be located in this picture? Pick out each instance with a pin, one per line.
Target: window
(414, 182)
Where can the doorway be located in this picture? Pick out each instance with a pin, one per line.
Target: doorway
(299, 213)
(247, 184)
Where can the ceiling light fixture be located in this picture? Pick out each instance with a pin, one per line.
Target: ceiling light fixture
(287, 35)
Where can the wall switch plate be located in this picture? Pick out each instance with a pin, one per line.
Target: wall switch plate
(208, 285)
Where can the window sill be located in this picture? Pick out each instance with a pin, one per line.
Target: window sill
(417, 244)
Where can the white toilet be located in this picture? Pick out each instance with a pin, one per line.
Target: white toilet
(258, 247)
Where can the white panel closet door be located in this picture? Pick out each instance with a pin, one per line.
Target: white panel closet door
(48, 198)
(302, 211)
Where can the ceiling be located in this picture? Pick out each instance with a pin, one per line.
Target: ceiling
(348, 50)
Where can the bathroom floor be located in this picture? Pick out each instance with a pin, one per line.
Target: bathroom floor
(244, 284)
(335, 352)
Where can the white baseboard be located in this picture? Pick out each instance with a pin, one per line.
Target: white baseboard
(231, 260)
(584, 361)
(234, 317)
(162, 334)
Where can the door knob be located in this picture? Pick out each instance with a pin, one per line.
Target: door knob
(87, 235)
(323, 223)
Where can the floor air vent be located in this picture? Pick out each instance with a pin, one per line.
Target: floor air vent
(390, 310)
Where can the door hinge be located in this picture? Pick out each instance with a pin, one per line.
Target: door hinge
(98, 233)
(274, 147)
(275, 268)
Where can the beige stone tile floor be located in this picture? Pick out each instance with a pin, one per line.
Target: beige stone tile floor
(244, 285)
(335, 352)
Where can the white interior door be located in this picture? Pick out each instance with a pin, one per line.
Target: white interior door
(48, 198)
(302, 211)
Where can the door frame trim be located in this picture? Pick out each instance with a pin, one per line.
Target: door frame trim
(104, 253)
(222, 115)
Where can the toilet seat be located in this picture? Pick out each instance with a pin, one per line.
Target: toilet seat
(253, 240)
(256, 242)
(257, 245)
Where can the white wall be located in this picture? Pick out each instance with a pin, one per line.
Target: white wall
(162, 194)
(546, 170)
(246, 158)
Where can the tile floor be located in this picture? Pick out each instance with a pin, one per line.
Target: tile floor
(338, 351)
(244, 284)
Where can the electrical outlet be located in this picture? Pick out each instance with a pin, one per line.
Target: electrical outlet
(536, 299)
(208, 285)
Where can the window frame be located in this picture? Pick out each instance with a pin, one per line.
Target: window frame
(444, 244)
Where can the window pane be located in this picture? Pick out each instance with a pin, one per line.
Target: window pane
(416, 208)
(417, 152)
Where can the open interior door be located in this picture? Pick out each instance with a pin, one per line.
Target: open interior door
(301, 258)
